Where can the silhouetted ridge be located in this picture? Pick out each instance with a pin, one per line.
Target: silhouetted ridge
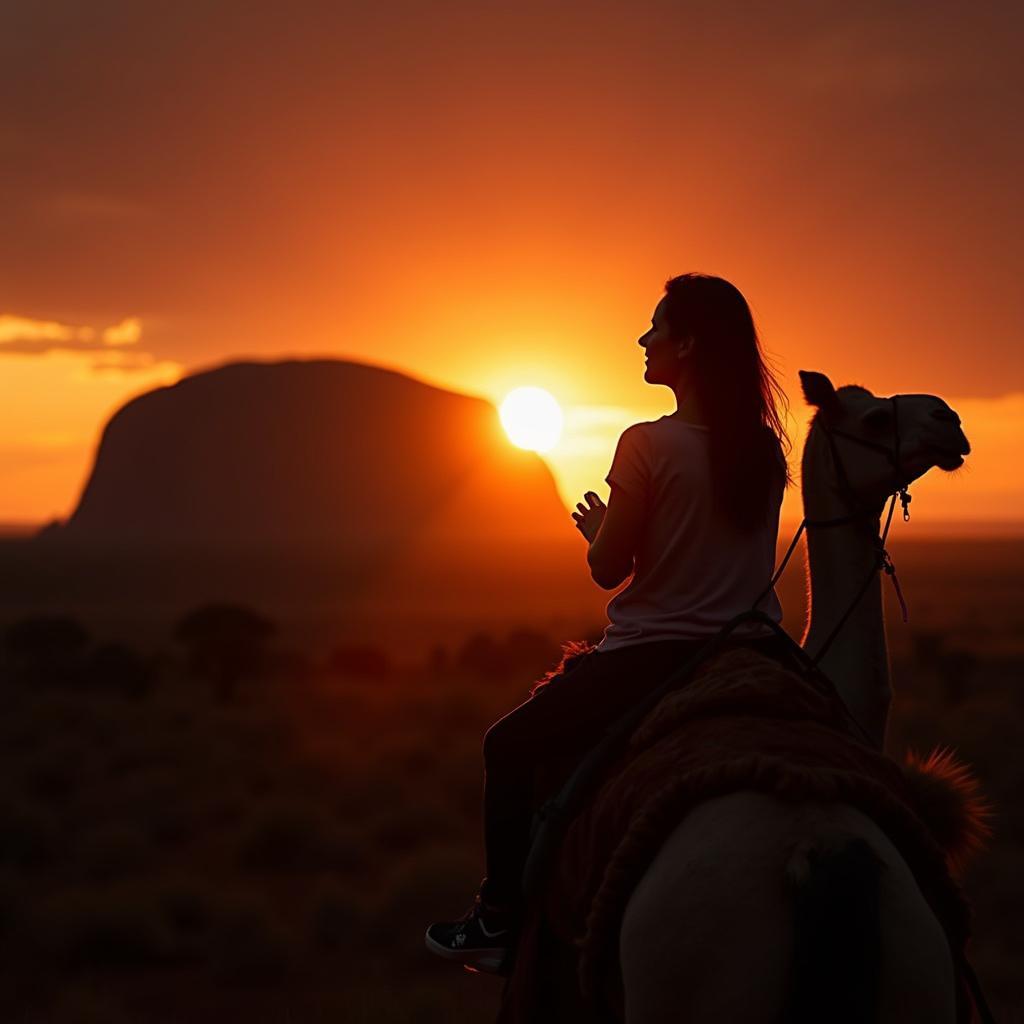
(312, 451)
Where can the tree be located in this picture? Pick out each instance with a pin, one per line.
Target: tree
(224, 643)
(47, 648)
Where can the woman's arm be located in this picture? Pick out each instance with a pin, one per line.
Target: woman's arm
(614, 535)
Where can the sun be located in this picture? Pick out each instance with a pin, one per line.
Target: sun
(532, 419)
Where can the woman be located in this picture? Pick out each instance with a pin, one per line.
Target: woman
(692, 517)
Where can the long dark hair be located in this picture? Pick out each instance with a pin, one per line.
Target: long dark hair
(738, 394)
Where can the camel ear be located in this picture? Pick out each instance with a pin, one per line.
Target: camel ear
(818, 389)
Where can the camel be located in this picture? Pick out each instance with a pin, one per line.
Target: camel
(724, 922)
(707, 934)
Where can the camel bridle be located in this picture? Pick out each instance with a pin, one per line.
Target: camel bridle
(892, 455)
(857, 512)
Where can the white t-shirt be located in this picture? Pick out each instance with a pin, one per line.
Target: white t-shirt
(693, 570)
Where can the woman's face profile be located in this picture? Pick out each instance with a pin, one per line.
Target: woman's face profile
(662, 363)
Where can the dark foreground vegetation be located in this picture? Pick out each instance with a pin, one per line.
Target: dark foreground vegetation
(224, 829)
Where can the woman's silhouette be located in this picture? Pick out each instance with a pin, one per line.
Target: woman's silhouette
(692, 517)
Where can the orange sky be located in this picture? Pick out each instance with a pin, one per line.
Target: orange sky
(490, 197)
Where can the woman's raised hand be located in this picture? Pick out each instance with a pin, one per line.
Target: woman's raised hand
(590, 516)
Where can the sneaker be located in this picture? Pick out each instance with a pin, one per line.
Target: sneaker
(480, 939)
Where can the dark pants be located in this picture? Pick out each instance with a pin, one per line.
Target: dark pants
(567, 716)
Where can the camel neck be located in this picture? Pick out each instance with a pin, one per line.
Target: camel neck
(840, 559)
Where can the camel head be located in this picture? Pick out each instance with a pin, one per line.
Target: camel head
(864, 429)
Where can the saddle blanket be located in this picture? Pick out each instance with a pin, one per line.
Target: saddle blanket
(742, 722)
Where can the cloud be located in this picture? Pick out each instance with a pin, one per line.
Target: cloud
(127, 332)
(25, 336)
(33, 337)
(109, 350)
(133, 362)
(21, 334)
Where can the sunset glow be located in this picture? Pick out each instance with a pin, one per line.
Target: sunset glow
(876, 235)
(532, 419)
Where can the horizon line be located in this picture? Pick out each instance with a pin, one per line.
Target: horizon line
(1010, 529)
